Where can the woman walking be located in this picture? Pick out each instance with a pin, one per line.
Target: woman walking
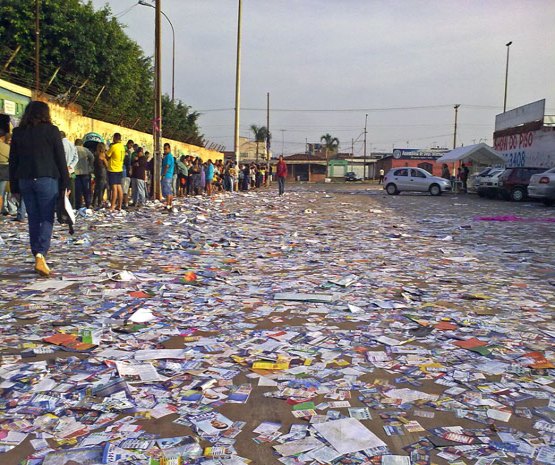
(38, 170)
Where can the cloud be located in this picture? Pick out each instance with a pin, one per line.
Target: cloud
(329, 54)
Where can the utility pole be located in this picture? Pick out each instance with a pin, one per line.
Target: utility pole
(365, 132)
(352, 152)
(456, 107)
(237, 92)
(308, 155)
(37, 48)
(508, 44)
(157, 126)
(267, 139)
(144, 3)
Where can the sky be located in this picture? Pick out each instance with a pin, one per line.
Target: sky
(328, 63)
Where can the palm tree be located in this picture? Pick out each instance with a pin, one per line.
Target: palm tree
(331, 145)
(260, 135)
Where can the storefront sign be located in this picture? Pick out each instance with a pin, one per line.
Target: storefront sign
(416, 154)
(534, 149)
(525, 114)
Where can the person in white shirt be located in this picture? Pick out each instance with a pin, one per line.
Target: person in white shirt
(72, 157)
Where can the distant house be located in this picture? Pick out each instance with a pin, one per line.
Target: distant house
(312, 167)
(306, 167)
(248, 151)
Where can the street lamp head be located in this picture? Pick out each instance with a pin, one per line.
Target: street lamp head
(509, 43)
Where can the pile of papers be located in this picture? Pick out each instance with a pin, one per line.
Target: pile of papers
(243, 329)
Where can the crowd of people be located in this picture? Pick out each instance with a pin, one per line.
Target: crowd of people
(118, 176)
(39, 165)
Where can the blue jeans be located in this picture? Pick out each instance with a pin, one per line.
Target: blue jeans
(82, 189)
(21, 210)
(138, 191)
(40, 196)
(281, 185)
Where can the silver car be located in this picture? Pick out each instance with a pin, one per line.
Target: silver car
(542, 186)
(414, 180)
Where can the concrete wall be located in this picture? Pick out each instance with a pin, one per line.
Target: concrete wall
(76, 126)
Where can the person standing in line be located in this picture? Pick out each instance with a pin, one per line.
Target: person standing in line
(175, 176)
(382, 174)
(115, 157)
(70, 152)
(168, 168)
(4, 166)
(233, 176)
(71, 158)
(83, 170)
(194, 171)
(100, 175)
(182, 173)
(138, 178)
(209, 177)
(202, 178)
(126, 176)
(227, 176)
(149, 174)
(281, 174)
(38, 170)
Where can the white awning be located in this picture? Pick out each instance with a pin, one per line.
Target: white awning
(479, 153)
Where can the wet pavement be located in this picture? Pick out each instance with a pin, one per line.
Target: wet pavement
(336, 324)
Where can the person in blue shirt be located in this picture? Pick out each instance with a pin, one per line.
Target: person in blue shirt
(209, 177)
(168, 168)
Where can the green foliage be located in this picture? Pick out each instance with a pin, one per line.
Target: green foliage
(331, 144)
(179, 122)
(92, 50)
(260, 135)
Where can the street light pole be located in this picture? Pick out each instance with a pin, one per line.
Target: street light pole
(237, 92)
(365, 132)
(456, 107)
(508, 45)
(37, 48)
(267, 139)
(143, 3)
(157, 126)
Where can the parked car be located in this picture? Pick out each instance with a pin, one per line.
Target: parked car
(487, 185)
(416, 180)
(542, 186)
(351, 176)
(513, 182)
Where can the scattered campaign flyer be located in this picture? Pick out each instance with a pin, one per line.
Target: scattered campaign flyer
(211, 423)
(348, 435)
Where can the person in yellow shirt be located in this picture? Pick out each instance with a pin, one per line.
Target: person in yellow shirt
(115, 157)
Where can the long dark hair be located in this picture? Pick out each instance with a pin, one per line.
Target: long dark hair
(35, 113)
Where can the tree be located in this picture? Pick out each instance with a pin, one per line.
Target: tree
(179, 122)
(260, 135)
(331, 145)
(94, 56)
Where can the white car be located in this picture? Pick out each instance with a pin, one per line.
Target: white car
(414, 180)
(487, 183)
(542, 186)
